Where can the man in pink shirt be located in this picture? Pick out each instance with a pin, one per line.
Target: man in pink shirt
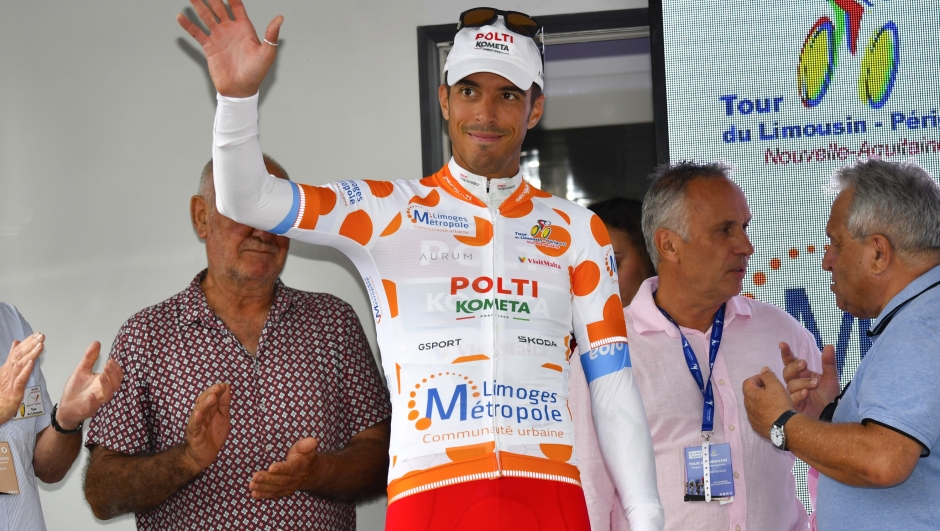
(688, 319)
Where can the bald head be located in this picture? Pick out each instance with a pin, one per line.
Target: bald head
(238, 254)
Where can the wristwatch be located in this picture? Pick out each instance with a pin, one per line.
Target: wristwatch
(60, 429)
(777, 436)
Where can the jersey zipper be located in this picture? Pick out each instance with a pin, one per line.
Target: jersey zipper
(499, 459)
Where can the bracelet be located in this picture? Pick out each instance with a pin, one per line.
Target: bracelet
(60, 429)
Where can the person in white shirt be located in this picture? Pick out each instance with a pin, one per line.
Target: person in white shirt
(44, 439)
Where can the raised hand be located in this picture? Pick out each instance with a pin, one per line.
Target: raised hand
(810, 391)
(238, 61)
(209, 426)
(15, 373)
(287, 477)
(86, 391)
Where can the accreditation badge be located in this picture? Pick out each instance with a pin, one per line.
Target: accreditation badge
(32, 405)
(8, 483)
(720, 473)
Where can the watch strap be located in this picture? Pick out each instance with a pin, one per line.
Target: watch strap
(60, 429)
(781, 420)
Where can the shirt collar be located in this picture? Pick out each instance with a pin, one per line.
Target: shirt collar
(194, 307)
(648, 318)
(492, 192)
(919, 284)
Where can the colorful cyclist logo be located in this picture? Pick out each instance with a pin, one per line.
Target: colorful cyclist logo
(543, 229)
(820, 55)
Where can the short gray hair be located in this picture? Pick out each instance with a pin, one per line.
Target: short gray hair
(898, 200)
(207, 187)
(665, 207)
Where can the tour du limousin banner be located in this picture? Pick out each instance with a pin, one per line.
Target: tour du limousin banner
(787, 92)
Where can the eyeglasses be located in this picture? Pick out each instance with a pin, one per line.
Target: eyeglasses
(515, 21)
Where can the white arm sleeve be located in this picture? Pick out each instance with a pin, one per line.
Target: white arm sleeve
(244, 190)
(624, 436)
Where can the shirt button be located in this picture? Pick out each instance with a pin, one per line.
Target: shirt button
(731, 427)
(262, 404)
(737, 528)
(721, 382)
(736, 475)
(269, 447)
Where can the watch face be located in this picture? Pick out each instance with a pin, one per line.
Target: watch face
(776, 436)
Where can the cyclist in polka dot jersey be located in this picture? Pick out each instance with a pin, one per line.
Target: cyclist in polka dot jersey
(480, 285)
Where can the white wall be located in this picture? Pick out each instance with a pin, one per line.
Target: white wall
(105, 123)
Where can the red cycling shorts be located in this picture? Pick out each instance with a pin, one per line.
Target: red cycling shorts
(500, 504)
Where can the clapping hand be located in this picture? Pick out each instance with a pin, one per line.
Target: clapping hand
(209, 426)
(287, 477)
(15, 373)
(86, 391)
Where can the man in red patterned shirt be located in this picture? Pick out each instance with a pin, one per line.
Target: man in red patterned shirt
(246, 404)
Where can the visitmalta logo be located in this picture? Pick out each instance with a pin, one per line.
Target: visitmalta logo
(819, 57)
(539, 262)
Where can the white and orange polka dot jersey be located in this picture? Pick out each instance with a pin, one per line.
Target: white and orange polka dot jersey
(476, 289)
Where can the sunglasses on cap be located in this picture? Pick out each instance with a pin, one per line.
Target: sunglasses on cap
(515, 21)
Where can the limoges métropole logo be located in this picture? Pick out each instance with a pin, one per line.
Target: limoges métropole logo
(452, 396)
(819, 57)
(611, 263)
(374, 299)
(430, 219)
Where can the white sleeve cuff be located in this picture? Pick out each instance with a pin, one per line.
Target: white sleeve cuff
(236, 120)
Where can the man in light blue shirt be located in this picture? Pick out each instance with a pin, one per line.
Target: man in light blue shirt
(41, 440)
(878, 458)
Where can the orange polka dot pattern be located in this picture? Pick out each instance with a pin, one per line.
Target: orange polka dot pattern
(442, 272)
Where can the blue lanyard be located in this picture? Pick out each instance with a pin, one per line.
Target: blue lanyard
(708, 409)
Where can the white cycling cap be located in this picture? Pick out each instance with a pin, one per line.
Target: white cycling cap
(498, 50)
